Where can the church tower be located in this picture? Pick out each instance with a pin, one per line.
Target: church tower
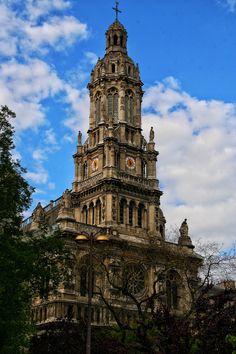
(115, 189)
(115, 182)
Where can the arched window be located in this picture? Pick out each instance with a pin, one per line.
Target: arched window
(84, 278)
(172, 289)
(140, 215)
(122, 210)
(131, 213)
(113, 68)
(115, 39)
(85, 170)
(91, 214)
(98, 108)
(129, 107)
(98, 212)
(104, 159)
(112, 100)
(144, 169)
(85, 214)
(121, 40)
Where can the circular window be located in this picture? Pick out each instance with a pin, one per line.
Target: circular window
(134, 278)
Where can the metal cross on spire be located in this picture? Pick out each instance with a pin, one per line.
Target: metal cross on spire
(117, 10)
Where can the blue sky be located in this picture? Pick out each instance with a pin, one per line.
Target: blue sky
(186, 52)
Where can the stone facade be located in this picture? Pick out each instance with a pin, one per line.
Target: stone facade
(115, 187)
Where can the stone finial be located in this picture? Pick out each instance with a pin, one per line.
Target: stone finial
(66, 212)
(184, 239)
(103, 69)
(151, 135)
(38, 212)
(36, 217)
(66, 199)
(79, 138)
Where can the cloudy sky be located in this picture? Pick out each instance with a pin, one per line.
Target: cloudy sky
(186, 52)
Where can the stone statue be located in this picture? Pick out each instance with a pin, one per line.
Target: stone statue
(66, 199)
(151, 135)
(79, 138)
(37, 213)
(184, 229)
(103, 69)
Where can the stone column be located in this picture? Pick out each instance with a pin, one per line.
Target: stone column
(138, 165)
(121, 113)
(109, 209)
(151, 217)
(92, 112)
(112, 154)
(135, 215)
(127, 214)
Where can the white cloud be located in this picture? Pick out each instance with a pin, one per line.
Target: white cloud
(8, 42)
(79, 102)
(51, 185)
(228, 4)
(39, 176)
(57, 32)
(37, 8)
(24, 86)
(197, 144)
(50, 137)
(33, 26)
(91, 57)
(39, 155)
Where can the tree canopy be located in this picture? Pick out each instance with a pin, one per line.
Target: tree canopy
(30, 264)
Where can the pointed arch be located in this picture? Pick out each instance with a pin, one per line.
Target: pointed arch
(172, 289)
(113, 68)
(85, 170)
(115, 39)
(123, 205)
(131, 212)
(112, 101)
(141, 209)
(98, 107)
(91, 213)
(83, 272)
(144, 169)
(85, 214)
(129, 106)
(98, 211)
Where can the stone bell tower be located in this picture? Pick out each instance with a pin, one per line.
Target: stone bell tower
(116, 189)
(115, 180)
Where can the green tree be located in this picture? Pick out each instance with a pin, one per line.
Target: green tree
(30, 264)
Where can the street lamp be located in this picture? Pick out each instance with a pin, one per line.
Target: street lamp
(99, 236)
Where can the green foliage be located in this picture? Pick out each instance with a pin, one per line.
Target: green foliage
(30, 263)
(229, 339)
(15, 191)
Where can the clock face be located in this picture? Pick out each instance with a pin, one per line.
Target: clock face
(130, 162)
(95, 164)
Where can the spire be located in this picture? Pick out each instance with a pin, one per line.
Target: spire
(116, 9)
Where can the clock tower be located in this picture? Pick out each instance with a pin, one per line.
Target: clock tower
(115, 190)
(115, 182)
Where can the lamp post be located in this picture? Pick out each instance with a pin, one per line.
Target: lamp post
(99, 236)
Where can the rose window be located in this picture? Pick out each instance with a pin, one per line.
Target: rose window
(134, 278)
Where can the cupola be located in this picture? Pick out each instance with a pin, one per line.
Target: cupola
(116, 38)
